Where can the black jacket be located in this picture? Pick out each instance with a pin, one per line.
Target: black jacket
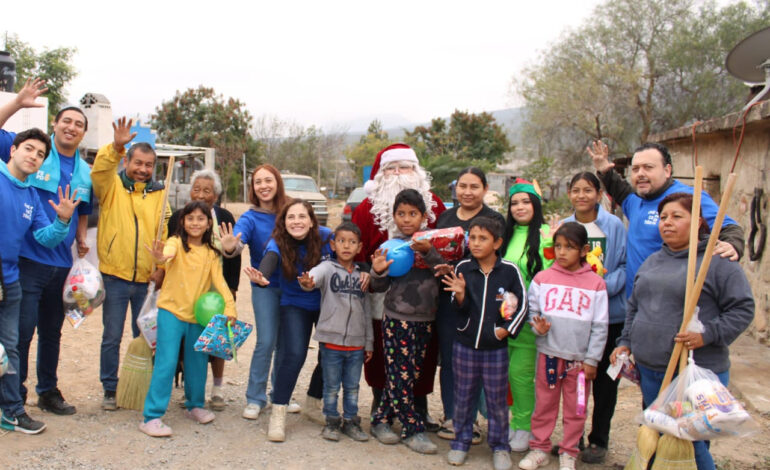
(479, 314)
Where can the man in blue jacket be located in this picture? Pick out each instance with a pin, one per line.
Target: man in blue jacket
(651, 181)
(43, 270)
(22, 212)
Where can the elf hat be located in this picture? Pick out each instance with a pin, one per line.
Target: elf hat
(392, 153)
(524, 186)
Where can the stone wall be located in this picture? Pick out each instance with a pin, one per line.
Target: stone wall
(715, 152)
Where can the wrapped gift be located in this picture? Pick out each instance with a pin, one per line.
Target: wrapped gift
(220, 340)
(449, 242)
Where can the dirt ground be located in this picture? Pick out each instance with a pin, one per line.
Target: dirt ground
(95, 439)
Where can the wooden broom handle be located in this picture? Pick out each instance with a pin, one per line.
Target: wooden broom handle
(169, 174)
(692, 301)
(692, 257)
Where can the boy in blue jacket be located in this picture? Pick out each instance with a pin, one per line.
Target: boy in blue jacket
(21, 211)
(487, 315)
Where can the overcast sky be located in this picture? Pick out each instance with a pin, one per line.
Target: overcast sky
(314, 62)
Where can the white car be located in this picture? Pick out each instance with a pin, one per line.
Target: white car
(304, 187)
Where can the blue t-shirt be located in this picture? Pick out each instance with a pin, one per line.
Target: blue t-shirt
(255, 228)
(643, 234)
(291, 292)
(61, 255)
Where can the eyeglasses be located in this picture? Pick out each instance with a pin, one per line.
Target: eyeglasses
(398, 168)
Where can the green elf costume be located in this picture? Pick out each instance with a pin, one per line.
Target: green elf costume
(522, 352)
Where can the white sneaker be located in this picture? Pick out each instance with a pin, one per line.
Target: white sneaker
(276, 430)
(251, 411)
(533, 460)
(293, 407)
(519, 440)
(566, 462)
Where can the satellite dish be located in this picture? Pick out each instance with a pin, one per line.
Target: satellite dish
(750, 61)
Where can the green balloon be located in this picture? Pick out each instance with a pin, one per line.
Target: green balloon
(208, 305)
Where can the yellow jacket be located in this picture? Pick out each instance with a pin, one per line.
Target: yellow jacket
(190, 274)
(128, 220)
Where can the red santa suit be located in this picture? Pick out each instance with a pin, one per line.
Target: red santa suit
(372, 236)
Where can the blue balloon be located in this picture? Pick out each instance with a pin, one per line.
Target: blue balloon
(401, 254)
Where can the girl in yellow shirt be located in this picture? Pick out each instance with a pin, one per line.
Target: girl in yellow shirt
(192, 267)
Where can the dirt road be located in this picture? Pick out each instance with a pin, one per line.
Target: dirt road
(95, 439)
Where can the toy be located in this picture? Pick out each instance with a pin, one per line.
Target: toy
(594, 259)
(449, 242)
(208, 305)
(402, 255)
(83, 291)
(508, 307)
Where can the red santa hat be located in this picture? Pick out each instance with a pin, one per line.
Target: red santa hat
(392, 153)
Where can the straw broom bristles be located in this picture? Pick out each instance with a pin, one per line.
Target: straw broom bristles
(135, 375)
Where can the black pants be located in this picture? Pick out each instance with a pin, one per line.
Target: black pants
(605, 391)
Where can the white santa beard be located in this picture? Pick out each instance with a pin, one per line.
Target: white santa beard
(388, 187)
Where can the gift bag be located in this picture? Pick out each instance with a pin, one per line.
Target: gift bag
(147, 321)
(449, 242)
(83, 291)
(696, 407)
(221, 340)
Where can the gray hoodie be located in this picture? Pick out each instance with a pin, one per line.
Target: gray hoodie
(656, 306)
(342, 321)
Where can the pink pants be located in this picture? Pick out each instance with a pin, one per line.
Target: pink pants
(547, 409)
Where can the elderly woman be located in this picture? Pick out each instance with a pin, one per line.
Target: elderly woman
(655, 308)
(206, 187)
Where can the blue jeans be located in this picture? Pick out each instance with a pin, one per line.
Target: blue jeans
(651, 381)
(118, 295)
(41, 308)
(265, 301)
(171, 332)
(294, 337)
(10, 399)
(341, 367)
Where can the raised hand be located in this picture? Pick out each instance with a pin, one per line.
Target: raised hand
(67, 204)
(454, 283)
(32, 89)
(122, 133)
(380, 261)
(600, 154)
(157, 251)
(540, 324)
(306, 280)
(256, 276)
(441, 270)
(229, 242)
(554, 223)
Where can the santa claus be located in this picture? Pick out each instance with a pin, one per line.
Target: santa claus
(396, 168)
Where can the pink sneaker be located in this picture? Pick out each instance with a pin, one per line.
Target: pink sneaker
(155, 428)
(200, 415)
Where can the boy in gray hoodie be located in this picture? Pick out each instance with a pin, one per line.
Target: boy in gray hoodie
(344, 331)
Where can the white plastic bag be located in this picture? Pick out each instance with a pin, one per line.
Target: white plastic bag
(696, 407)
(83, 291)
(147, 321)
(5, 363)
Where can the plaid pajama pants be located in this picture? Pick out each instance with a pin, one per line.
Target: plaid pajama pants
(474, 368)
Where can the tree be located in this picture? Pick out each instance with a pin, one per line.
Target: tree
(365, 151)
(310, 151)
(52, 65)
(201, 117)
(634, 68)
(467, 137)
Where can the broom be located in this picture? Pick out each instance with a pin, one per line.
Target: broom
(674, 453)
(136, 372)
(647, 438)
